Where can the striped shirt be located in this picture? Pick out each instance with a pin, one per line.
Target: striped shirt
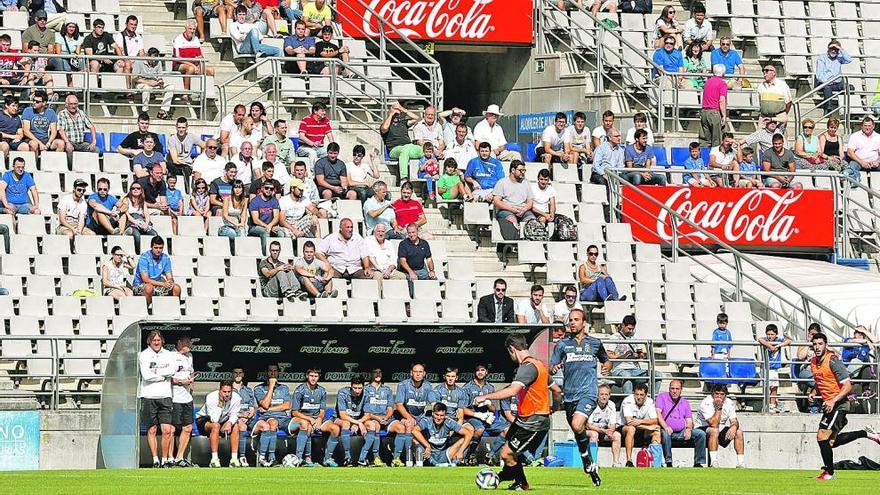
(314, 129)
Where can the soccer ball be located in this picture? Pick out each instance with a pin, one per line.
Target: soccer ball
(290, 460)
(487, 479)
(432, 168)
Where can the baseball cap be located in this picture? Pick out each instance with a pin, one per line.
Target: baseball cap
(79, 183)
(41, 14)
(297, 183)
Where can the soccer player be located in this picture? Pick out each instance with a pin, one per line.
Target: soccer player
(273, 402)
(309, 406)
(455, 399)
(410, 400)
(220, 415)
(480, 416)
(833, 384)
(156, 365)
(441, 446)
(602, 423)
(181, 395)
(350, 414)
(532, 386)
(379, 405)
(576, 355)
(246, 415)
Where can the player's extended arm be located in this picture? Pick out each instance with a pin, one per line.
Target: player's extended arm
(266, 401)
(302, 417)
(557, 391)
(505, 393)
(417, 434)
(284, 406)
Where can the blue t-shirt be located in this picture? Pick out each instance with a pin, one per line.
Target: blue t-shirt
(670, 61)
(487, 173)
(294, 42)
(695, 164)
(862, 352)
(147, 161)
(174, 197)
(17, 189)
(154, 268)
(719, 335)
(454, 399)
(247, 399)
(638, 158)
(579, 372)
(40, 122)
(438, 435)
(747, 169)
(730, 61)
(414, 399)
(474, 389)
(9, 124)
(775, 357)
(415, 255)
(109, 202)
(280, 395)
(264, 208)
(353, 406)
(309, 401)
(378, 400)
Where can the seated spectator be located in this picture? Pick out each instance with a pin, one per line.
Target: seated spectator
(483, 173)
(99, 43)
(18, 191)
(577, 139)
(361, 173)
(698, 29)
(600, 133)
(262, 125)
(247, 167)
(720, 334)
(35, 76)
(379, 210)
(221, 188)
(395, 134)
(667, 25)
(774, 343)
(134, 215)
(671, 61)
(72, 212)
(676, 422)
(199, 201)
(206, 9)
(829, 65)
(414, 256)
(863, 149)
(640, 121)
(174, 199)
(235, 212)
(780, 159)
(40, 125)
(277, 278)
(450, 186)
(299, 216)
(315, 133)
(153, 276)
(609, 154)
(311, 190)
(68, 42)
(147, 76)
(209, 165)
(806, 148)
(496, 307)
(73, 125)
(630, 372)
(229, 125)
(609, 6)
(39, 32)
(638, 421)
(129, 43)
(858, 359)
(103, 214)
(281, 174)
(331, 176)
(732, 61)
(315, 275)
(325, 48)
(830, 149)
(11, 131)
(774, 96)
(284, 151)
(640, 155)
(512, 196)
(530, 310)
(247, 38)
(450, 120)
(695, 177)
(245, 134)
(430, 130)
(552, 147)
(116, 274)
(154, 190)
(543, 198)
(565, 305)
(344, 250)
(180, 146)
(489, 131)
(695, 63)
(408, 210)
(299, 46)
(265, 213)
(12, 64)
(461, 145)
(593, 277)
(429, 169)
(268, 170)
(717, 417)
(134, 142)
(747, 167)
(602, 423)
(144, 161)
(187, 46)
(722, 157)
(317, 15)
(763, 136)
(382, 255)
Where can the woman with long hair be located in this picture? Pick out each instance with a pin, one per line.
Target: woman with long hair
(831, 145)
(67, 42)
(694, 63)
(262, 126)
(134, 216)
(235, 212)
(596, 283)
(116, 274)
(667, 25)
(200, 201)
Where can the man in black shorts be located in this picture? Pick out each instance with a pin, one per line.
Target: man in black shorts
(156, 365)
(181, 397)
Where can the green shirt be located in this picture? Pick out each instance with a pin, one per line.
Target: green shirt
(447, 182)
(284, 147)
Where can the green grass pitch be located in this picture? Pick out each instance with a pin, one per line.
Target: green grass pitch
(428, 481)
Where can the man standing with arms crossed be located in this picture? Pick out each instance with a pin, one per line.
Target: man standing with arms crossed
(156, 367)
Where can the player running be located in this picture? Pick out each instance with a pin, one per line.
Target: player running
(833, 384)
(308, 408)
(273, 401)
(350, 414)
(577, 356)
(379, 406)
(480, 416)
(413, 395)
(532, 386)
(441, 447)
(220, 415)
(246, 415)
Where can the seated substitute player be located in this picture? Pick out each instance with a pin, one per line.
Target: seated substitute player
(638, 420)
(455, 398)
(273, 404)
(156, 365)
(247, 415)
(481, 416)
(350, 415)
(442, 448)
(181, 395)
(717, 417)
(602, 423)
(410, 400)
(308, 407)
(220, 415)
(379, 407)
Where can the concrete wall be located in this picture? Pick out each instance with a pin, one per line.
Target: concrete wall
(69, 439)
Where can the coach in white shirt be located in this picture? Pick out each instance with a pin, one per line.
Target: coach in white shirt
(638, 418)
(156, 365)
(717, 417)
(219, 415)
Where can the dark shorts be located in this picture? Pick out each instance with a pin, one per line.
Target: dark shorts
(13, 145)
(521, 440)
(333, 193)
(583, 406)
(156, 411)
(181, 414)
(201, 422)
(836, 419)
(722, 435)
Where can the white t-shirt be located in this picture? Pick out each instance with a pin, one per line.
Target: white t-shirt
(629, 408)
(210, 169)
(463, 153)
(358, 173)
(228, 412)
(236, 139)
(71, 209)
(524, 308)
(384, 255)
(541, 197)
(554, 138)
(132, 46)
(694, 32)
(293, 210)
(155, 369)
(228, 125)
(492, 135)
(722, 158)
(631, 136)
(282, 175)
(244, 171)
(183, 368)
(432, 134)
(576, 139)
(707, 410)
(561, 310)
(599, 132)
(603, 417)
(116, 275)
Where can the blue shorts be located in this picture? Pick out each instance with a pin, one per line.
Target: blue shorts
(496, 428)
(285, 424)
(583, 406)
(439, 456)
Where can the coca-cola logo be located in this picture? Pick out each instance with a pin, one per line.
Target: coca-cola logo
(438, 18)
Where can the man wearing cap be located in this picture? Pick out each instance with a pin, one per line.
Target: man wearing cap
(299, 216)
(39, 31)
(488, 130)
(828, 66)
(774, 95)
(72, 212)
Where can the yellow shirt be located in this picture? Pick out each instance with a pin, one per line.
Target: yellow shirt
(313, 14)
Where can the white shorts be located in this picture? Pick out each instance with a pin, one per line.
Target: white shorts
(773, 378)
(482, 193)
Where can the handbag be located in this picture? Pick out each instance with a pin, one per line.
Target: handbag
(76, 63)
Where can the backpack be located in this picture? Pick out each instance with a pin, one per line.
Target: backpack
(644, 458)
(564, 229)
(534, 230)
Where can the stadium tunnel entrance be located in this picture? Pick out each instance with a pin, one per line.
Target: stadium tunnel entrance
(477, 76)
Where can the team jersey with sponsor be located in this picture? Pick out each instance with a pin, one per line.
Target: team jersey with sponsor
(351, 405)
(474, 389)
(454, 399)
(280, 395)
(309, 401)
(377, 400)
(602, 417)
(438, 435)
(415, 399)
(247, 399)
(829, 373)
(183, 368)
(579, 369)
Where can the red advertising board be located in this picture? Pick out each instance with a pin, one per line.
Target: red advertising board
(739, 217)
(491, 22)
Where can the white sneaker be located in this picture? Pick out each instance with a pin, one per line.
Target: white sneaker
(215, 463)
(872, 434)
(741, 465)
(242, 461)
(420, 463)
(263, 462)
(409, 463)
(233, 462)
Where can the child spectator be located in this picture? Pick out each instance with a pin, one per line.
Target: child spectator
(200, 201)
(450, 185)
(175, 200)
(695, 162)
(747, 167)
(721, 334)
(774, 344)
(429, 169)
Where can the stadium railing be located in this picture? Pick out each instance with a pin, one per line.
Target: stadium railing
(860, 221)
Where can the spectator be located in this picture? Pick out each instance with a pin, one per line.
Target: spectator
(154, 190)
(277, 278)
(429, 130)
(40, 125)
(609, 6)
(774, 96)
(11, 63)
(863, 149)
(299, 46)
(429, 169)
(695, 177)
(299, 216)
(552, 147)
(667, 25)
(311, 190)
(199, 201)
(747, 167)
(235, 212)
(382, 256)
(103, 214)
(361, 174)
(576, 141)
(134, 214)
(325, 48)
(713, 116)
(722, 157)
(18, 191)
(129, 43)
(39, 32)
(593, 276)
(695, 63)
(637, 6)
(512, 196)
(543, 198)
(268, 170)
(206, 9)
(315, 275)
(209, 165)
(282, 175)
(315, 133)
(246, 166)
(858, 359)
(806, 147)
(732, 62)
(344, 251)
(144, 161)
(180, 148)
(395, 134)
(600, 133)
(640, 155)
(35, 76)
(153, 276)
(283, 149)
(245, 134)
(408, 210)
(530, 310)
(414, 256)
(116, 274)
(496, 307)
(134, 142)
(265, 212)
(774, 343)
(780, 159)
(99, 43)
(565, 305)
(229, 125)
(73, 125)
(627, 372)
(671, 61)
(221, 188)
(174, 199)
(72, 212)
(763, 136)
(147, 76)
(638, 420)
(187, 46)
(717, 417)
(674, 416)
(317, 15)
(828, 67)
(805, 354)
(640, 121)
(602, 423)
(67, 42)
(450, 186)
(830, 149)
(450, 120)
(11, 130)
(483, 173)
(609, 154)
(720, 334)
(262, 126)
(461, 146)
(697, 29)
(246, 36)
(489, 131)
(331, 176)
(379, 210)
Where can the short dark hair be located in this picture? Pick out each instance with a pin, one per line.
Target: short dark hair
(308, 244)
(640, 133)
(326, 29)
(516, 341)
(486, 145)
(771, 327)
(157, 241)
(274, 243)
(279, 122)
(241, 9)
(334, 146)
(230, 165)
(694, 145)
(514, 164)
(33, 44)
(450, 162)
(182, 120)
(9, 100)
(130, 18)
(580, 115)
(727, 135)
(643, 387)
(568, 288)
(359, 149)
(41, 94)
(104, 180)
(225, 383)
(544, 173)
(268, 165)
(298, 22)
(18, 159)
(629, 320)
(98, 23)
(814, 326)
(357, 379)
(719, 388)
(536, 288)
(698, 8)
(439, 407)
(819, 336)
(721, 317)
(778, 138)
(499, 281)
(299, 163)
(747, 150)
(561, 115)
(607, 113)
(318, 105)
(640, 117)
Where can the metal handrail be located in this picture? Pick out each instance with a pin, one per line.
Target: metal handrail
(810, 96)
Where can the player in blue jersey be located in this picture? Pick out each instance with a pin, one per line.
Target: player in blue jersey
(350, 415)
(481, 417)
(442, 438)
(577, 355)
(455, 398)
(379, 410)
(247, 413)
(410, 400)
(308, 407)
(273, 403)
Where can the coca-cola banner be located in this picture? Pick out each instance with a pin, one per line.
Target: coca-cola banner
(739, 217)
(462, 21)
